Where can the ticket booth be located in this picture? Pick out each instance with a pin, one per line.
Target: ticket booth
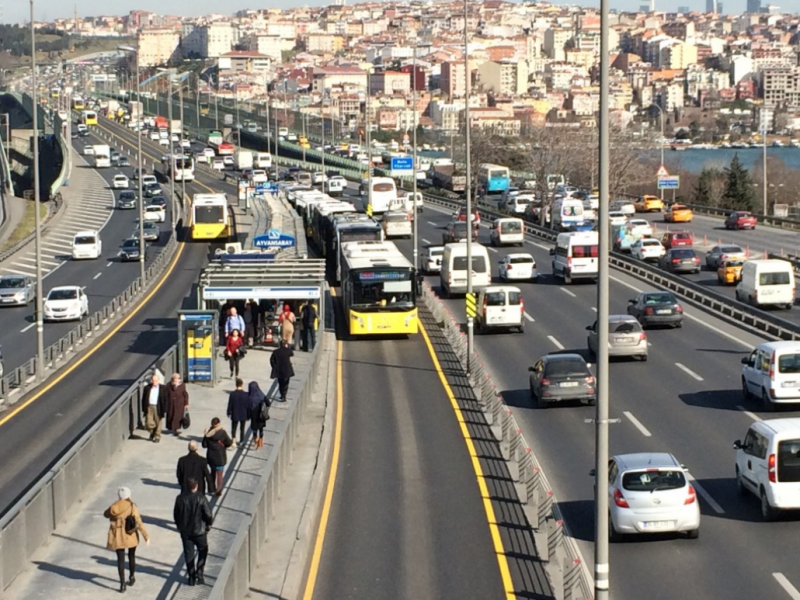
(197, 345)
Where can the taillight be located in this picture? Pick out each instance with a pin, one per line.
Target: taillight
(484, 307)
(642, 336)
(545, 381)
(692, 496)
(772, 366)
(521, 306)
(676, 260)
(679, 309)
(508, 267)
(619, 499)
(773, 475)
(569, 262)
(648, 311)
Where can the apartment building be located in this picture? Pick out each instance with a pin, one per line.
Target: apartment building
(678, 56)
(345, 76)
(268, 45)
(246, 61)
(216, 39)
(452, 80)
(390, 82)
(324, 43)
(780, 86)
(158, 47)
(503, 77)
(555, 39)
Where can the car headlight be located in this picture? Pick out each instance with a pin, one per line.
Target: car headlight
(19, 295)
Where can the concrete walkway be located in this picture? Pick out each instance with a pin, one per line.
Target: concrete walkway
(75, 564)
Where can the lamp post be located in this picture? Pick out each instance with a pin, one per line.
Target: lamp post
(37, 219)
(183, 175)
(764, 174)
(661, 141)
(468, 150)
(414, 158)
(368, 123)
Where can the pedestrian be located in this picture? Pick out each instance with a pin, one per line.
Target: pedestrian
(154, 406)
(216, 441)
(234, 321)
(286, 321)
(250, 322)
(177, 403)
(282, 370)
(309, 322)
(194, 466)
(238, 410)
(259, 409)
(123, 534)
(193, 519)
(234, 351)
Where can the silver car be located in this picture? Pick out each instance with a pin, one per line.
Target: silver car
(16, 290)
(625, 337)
(649, 492)
(151, 231)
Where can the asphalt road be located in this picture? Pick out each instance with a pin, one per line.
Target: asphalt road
(686, 400)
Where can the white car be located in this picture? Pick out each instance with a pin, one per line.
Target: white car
(217, 164)
(648, 249)
(640, 227)
(318, 177)
(88, 151)
(163, 142)
(649, 492)
(397, 224)
(149, 180)
(616, 217)
(154, 135)
(228, 161)
(66, 303)
(186, 144)
(432, 259)
(259, 176)
(86, 244)
(155, 213)
(518, 266)
(624, 206)
(209, 153)
(120, 182)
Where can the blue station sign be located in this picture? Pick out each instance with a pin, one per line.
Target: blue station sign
(274, 239)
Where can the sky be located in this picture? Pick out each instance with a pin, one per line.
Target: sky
(18, 11)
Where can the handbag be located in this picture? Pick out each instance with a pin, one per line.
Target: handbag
(263, 411)
(131, 524)
(186, 421)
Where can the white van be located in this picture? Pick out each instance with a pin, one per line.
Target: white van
(575, 255)
(768, 465)
(500, 307)
(507, 231)
(86, 244)
(518, 204)
(772, 373)
(767, 282)
(566, 212)
(453, 276)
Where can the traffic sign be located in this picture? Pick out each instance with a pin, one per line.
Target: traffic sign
(662, 172)
(472, 306)
(673, 182)
(402, 166)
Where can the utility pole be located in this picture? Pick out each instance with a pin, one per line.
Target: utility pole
(40, 365)
(183, 175)
(414, 158)
(368, 124)
(470, 222)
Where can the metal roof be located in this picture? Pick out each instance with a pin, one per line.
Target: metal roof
(298, 271)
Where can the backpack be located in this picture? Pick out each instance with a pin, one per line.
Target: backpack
(263, 411)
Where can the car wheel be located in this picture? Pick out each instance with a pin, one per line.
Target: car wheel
(693, 534)
(643, 358)
(542, 403)
(613, 535)
(521, 328)
(768, 405)
(740, 487)
(768, 513)
(679, 324)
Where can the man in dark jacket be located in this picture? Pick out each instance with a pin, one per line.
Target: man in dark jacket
(238, 410)
(193, 519)
(308, 318)
(154, 406)
(193, 466)
(282, 370)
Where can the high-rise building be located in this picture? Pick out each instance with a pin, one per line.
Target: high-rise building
(753, 6)
(683, 9)
(711, 6)
(453, 80)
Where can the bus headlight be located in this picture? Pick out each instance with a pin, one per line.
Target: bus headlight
(407, 321)
(359, 319)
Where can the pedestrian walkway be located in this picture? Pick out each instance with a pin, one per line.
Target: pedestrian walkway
(88, 204)
(75, 563)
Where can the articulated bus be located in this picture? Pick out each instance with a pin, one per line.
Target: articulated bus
(210, 219)
(322, 214)
(349, 227)
(378, 289)
(494, 179)
(181, 167)
(77, 103)
(89, 117)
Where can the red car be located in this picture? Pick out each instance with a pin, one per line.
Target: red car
(740, 219)
(677, 239)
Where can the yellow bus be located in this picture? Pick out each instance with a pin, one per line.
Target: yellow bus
(210, 218)
(55, 92)
(77, 103)
(378, 289)
(89, 117)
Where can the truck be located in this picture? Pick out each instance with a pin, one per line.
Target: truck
(135, 109)
(175, 126)
(112, 107)
(162, 123)
(263, 160)
(448, 177)
(214, 139)
(102, 155)
(243, 160)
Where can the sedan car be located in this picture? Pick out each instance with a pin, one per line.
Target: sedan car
(16, 290)
(158, 201)
(151, 231)
(560, 377)
(151, 190)
(647, 249)
(126, 200)
(123, 162)
(680, 260)
(318, 177)
(649, 492)
(457, 231)
(729, 272)
(625, 337)
(626, 207)
(396, 224)
(432, 259)
(719, 254)
(678, 213)
(740, 219)
(617, 217)
(640, 227)
(228, 161)
(66, 303)
(656, 308)
(518, 266)
(120, 182)
(129, 250)
(155, 213)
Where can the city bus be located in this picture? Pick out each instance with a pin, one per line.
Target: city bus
(322, 214)
(378, 289)
(77, 103)
(89, 117)
(349, 227)
(204, 108)
(494, 179)
(210, 218)
(55, 92)
(384, 192)
(182, 167)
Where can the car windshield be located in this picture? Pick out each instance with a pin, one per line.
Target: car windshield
(776, 278)
(652, 480)
(511, 227)
(566, 367)
(789, 461)
(624, 326)
(682, 236)
(84, 239)
(730, 249)
(495, 299)
(435, 252)
(149, 225)
(62, 295)
(130, 244)
(127, 196)
(789, 363)
(10, 283)
(660, 298)
(395, 218)
(478, 264)
(651, 243)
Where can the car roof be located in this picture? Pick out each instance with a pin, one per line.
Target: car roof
(780, 345)
(86, 232)
(501, 288)
(65, 287)
(563, 356)
(622, 318)
(646, 460)
(519, 255)
(791, 424)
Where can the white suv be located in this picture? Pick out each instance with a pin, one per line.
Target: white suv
(768, 465)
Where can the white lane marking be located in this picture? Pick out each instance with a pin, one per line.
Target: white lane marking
(527, 316)
(98, 275)
(538, 245)
(569, 293)
(637, 424)
(686, 369)
(787, 586)
(491, 249)
(425, 241)
(558, 344)
(706, 496)
(28, 327)
(108, 264)
(594, 308)
(433, 224)
(753, 416)
(10, 270)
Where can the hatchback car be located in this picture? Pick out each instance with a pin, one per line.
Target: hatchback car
(617, 217)
(656, 308)
(127, 200)
(519, 266)
(626, 207)
(649, 492)
(560, 377)
(88, 150)
(66, 303)
(432, 259)
(457, 231)
(120, 182)
(647, 249)
(677, 239)
(158, 201)
(114, 157)
(625, 337)
(680, 260)
(740, 219)
(228, 161)
(719, 254)
(155, 213)
(87, 244)
(729, 272)
(678, 213)
(123, 162)
(129, 250)
(396, 224)
(640, 227)
(151, 190)
(16, 290)
(217, 164)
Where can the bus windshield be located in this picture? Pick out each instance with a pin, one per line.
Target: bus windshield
(382, 289)
(209, 214)
(359, 235)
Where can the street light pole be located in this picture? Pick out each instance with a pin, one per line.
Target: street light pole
(661, 141)
(414, 158)
(172, 157)
(183, 175)
(37, 219)
(368, 123)
(468, 150)
(764, 175)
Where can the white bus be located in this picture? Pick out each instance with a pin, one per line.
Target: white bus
(263, 160)
(382, 194)
(566, 212)
(182, 167)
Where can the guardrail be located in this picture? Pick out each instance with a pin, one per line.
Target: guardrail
(65, 146)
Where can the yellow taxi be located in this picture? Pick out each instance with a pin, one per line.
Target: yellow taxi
(729, 272)
(678, 213)
(648, 204)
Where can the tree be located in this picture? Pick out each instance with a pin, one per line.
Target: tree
(694, 129)
(710, 186)
(739, 194)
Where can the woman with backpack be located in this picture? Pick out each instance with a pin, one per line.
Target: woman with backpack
(259, 413)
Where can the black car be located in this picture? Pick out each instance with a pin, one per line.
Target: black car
(136, 173)
(129, 251)
(126, 199)
(158, 201)
(680, 260)
(656, 308)
(560, 377)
